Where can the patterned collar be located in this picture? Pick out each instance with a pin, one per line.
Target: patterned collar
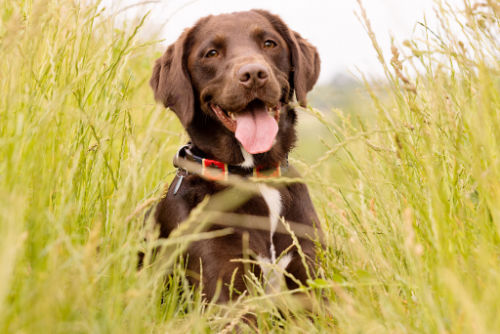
(217, 170)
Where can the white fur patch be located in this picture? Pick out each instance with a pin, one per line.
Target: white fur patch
(248, 162)
(273, 201)
(272, 269)
(273, 277)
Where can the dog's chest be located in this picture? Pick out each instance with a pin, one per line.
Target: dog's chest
(272, 198)
(269, 265)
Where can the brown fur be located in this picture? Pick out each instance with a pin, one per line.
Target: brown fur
(187, 82)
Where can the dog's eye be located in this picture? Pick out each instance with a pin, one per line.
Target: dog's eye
(212, 53)
(269, 44)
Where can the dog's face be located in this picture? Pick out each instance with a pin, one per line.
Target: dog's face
(239, 67)
(236, 72)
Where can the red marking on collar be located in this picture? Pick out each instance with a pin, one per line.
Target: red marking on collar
(267, 173)
(214, 170)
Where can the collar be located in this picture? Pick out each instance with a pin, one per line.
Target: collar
(217, 170)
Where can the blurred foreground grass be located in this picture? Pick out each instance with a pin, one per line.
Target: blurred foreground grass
(408, 196)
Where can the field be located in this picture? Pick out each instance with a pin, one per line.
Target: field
(407, 190)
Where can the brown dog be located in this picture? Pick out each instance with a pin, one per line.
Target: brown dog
(230, 79)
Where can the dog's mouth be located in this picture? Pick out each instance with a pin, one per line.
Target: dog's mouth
(255, 126)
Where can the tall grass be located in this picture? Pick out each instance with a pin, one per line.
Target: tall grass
(82, 144)
(409, 198)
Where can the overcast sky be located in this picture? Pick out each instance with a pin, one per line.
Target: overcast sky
(331, 25)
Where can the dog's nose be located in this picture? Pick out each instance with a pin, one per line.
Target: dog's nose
(251, 75)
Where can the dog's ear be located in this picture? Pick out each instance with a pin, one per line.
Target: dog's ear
(171, 82)
(306, 67)
(304, 57)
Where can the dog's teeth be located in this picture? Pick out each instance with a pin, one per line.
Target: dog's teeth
(273, 110)
(231, 114)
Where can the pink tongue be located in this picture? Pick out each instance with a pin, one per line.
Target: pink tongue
(256, 130)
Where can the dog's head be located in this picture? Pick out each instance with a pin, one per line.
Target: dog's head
(229, 79)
